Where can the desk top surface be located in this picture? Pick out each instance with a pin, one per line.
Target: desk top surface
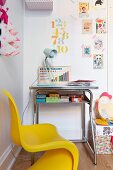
(61, 87)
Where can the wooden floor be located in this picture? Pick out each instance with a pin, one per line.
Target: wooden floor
(104, 162)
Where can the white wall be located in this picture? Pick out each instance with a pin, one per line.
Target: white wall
(110, 47)
(37, 36)
(11, 76)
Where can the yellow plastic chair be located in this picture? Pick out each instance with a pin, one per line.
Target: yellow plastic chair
(60, 154)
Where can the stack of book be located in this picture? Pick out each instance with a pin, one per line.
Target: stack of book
(76, 98)
(64, 99)
(52, 99)
(40, 98)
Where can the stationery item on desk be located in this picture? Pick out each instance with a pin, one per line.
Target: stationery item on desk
(81, 83)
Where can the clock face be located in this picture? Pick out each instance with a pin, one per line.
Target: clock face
(2, 2)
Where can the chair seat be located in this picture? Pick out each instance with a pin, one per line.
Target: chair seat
(38, 135)
(58, 159)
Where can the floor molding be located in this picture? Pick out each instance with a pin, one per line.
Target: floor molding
(5, 154)
(7, 159)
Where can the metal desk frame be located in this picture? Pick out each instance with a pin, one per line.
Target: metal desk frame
(74, 89)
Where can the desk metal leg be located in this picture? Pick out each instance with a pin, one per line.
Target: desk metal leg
(93, 137)
(92, 128)
(83, 122)
(37, 114)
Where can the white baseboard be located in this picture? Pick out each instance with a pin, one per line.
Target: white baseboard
(13, 160)
(7, 159)
(5, 154)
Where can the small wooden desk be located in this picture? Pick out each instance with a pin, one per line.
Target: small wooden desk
(88, 98)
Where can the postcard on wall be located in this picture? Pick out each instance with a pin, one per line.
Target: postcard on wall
(83, 9)
(86, 51)
(87, 26)
(60, 35)
(100, 26)
(98, 43)
(98, 61)
(100, 4)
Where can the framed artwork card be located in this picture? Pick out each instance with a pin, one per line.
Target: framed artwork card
(83, 9)
(86, 51)
(100, 26)
(98, 61)
(87, 26)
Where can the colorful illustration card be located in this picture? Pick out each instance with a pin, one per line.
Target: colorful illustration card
(98, 61)
(100, 26)
(83, 9)
(98, 43)
(87, 26)
(86, 51)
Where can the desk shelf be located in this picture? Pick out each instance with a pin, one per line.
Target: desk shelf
(83, 102)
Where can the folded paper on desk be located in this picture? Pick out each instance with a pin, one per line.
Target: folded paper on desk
(81, 83)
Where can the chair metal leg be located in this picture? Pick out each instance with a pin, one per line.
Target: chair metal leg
(32, 158)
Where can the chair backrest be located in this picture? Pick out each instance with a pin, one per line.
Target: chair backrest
(15, 119)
